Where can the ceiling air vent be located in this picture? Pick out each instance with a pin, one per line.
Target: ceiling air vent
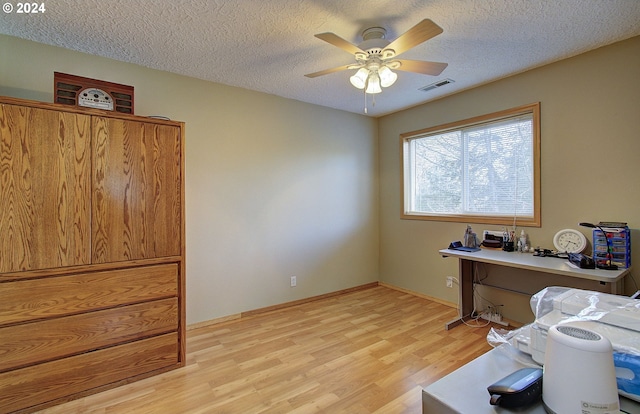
(436, 84)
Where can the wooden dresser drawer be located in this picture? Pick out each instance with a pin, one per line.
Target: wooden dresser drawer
(31, 386)
(92, 252)
(49, 297)
(41, 341)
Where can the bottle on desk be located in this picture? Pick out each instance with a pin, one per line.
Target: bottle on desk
(523, 247)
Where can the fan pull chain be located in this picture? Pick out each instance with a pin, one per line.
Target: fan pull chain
(365, 101)
(366, 85)
(373, 100)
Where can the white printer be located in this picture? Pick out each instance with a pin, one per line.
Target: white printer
(617, 318)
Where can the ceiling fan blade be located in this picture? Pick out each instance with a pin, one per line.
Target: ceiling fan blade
(339, 42)
(328, 71)
(419, 66)
(419, 33)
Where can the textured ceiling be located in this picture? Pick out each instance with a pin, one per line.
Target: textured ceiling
(269, 45)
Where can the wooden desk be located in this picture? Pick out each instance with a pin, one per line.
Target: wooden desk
(549, 271)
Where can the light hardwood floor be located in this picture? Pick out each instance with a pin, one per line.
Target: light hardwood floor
(368, 351)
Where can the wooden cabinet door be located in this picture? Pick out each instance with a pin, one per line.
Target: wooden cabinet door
(136, 200)
(44, 188)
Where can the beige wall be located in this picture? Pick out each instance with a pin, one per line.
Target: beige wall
(590, 112)
(274, 188)
(277, 188)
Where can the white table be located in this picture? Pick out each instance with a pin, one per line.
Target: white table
(464, 391)
(548, 271)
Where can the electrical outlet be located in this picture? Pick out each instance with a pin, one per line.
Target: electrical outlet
(495, 318)
(493, 315)
(294, 281)
(449, 281)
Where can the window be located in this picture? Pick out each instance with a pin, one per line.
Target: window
(480, 170)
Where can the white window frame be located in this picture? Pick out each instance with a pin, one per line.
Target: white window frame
(533, 220)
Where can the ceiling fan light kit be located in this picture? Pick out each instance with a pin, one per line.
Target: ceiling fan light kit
(373, 84)
(373, 79)
(375, 57)
(387, 77)
(359, 80)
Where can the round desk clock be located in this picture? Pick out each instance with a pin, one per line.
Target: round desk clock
(569, 241)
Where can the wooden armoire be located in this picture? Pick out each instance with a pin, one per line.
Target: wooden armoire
(92, 251)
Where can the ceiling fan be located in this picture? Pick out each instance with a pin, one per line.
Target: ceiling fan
(376, 56)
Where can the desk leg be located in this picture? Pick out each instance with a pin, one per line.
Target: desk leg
(617, 288)
(465, 278)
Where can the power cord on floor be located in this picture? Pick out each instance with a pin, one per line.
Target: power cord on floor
(490, 314)
(474, 316)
